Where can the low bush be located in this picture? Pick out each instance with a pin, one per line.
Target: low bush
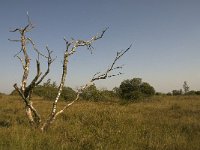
(135, 89)
(92, 93)
(49, 91)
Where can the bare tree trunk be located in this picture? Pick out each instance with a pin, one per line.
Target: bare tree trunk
(97, 76)
(51, 117)
(26, 91)
(70, 50)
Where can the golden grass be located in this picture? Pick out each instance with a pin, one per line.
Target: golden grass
(162, 123)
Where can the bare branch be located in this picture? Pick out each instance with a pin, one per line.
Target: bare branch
(18, 53)
(27, 28)
(50, 61)
(21, 60)
(30, 26)
(37, 51)
(71, 46)
(33, 83)
(105, 75)
(87, 43)
(101, 35)
(17, 29)
(14, 40)
(68, 52)
(26, 91)
(111, 68)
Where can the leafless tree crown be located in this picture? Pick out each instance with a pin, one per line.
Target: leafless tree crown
(25, 91)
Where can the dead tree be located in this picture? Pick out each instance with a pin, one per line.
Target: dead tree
(25, 91)
(71, 47)
(98, 76)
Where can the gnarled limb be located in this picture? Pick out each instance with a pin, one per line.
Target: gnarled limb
(26, 91)
(70, 50)
(105, 75)
(99, 77)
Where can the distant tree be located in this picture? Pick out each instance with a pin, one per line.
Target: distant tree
(160, 93)
(197, 92)
(192, 92)
(116, 91)
(92, 93)
(135, 89)
(169, 94)
(185, 87)
(49, 91)
(47, 83)
(177, 92)
(68, 94)
(147, 89)
(109, 95)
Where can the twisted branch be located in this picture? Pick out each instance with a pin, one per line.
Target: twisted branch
(105, 75)
(70, 50)
(26, 91)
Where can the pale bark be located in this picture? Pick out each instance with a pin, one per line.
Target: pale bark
(70, 50)
(102, 76)
(25, 91)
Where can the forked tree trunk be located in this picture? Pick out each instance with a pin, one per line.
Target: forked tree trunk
(26, 91)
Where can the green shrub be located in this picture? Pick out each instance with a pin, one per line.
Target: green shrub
(177, 92)
(68, 94)
(135, 89)
(146, 89)
(109, 95)
(169, 94)
(191, 93)
(48, 93)
(197, 92)
(92, 93)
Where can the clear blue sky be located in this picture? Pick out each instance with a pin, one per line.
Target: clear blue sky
(165, 36)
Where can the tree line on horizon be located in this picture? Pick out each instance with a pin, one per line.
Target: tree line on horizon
(129, 90)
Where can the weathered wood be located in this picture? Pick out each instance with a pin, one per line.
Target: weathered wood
(70, 50)
(105, 75)
(25, 91)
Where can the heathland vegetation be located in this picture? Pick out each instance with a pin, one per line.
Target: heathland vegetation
(103, 119)
(159, 122)
(129, 90)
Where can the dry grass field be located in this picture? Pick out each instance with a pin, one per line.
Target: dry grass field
(161, 123)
